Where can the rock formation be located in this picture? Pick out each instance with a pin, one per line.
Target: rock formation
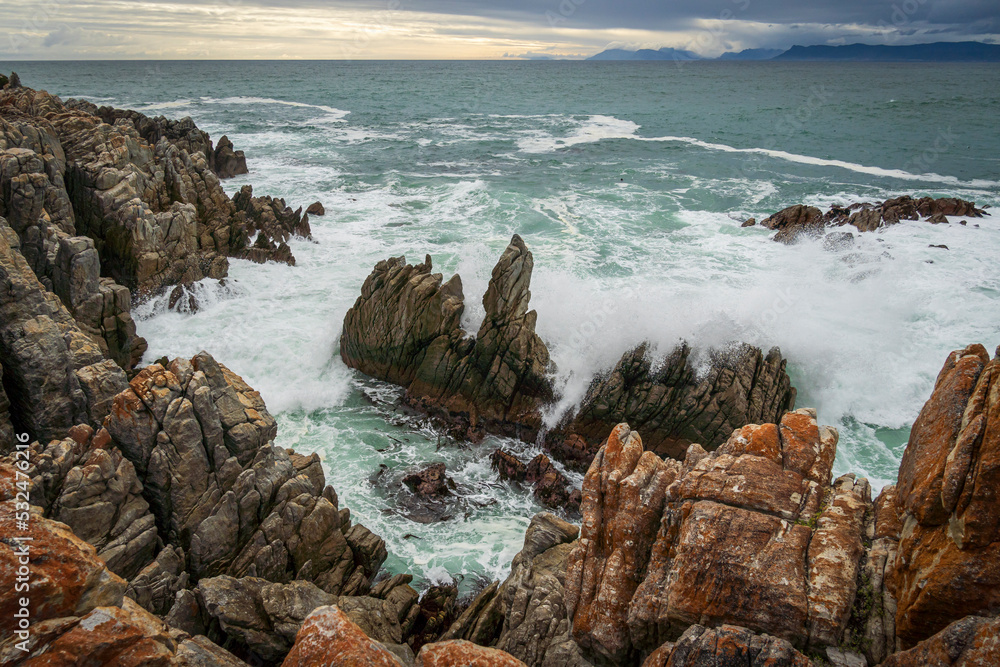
(274, 223)
(724, 646)
(405, 328)
(551, 488)
(808, 220)
(674, 407)
(316, 208)
(948, 561)
(228, 162)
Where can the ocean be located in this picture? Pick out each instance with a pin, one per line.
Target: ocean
(628, 181)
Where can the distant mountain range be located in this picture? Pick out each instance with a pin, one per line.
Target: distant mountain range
(936, 52)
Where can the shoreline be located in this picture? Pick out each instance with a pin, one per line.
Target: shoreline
(169, 472)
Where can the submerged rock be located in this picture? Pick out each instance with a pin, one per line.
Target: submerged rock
(432, 481)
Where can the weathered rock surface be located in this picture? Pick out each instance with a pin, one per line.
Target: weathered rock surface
(672, 407)
(54, 374)
(200, 441)
(405, 328)
(274, 223)
(329, 637)
(866, 217)
(460, 653)
(551, 486)
(948, 561)
(228, 162)
(85, 483)
(508, 467)
(971, 641)
(316, 208)
(430, 482)
(726, 646)
(7, 435)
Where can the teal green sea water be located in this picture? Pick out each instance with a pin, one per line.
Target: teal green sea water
(629, 182)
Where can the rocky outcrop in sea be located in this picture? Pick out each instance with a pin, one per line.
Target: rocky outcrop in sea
(809, 221)
(405, 328)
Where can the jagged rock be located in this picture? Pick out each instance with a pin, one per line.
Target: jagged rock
(156, 586)
(271, 217)
(201, 442)
(143, 189)
(7, 436)
(481, 621)
(125, 635)
(435, 615)
(182, 299)
(65, 574)
(328, 637)
(54, 374)
(726, 646)
(228, 162)
(947, 494)
(430, 482)
(460, 653)
(795, 220)
(672, 406)
(775, 559)
(3, 80)
(508, 466)
(85, 483)
(405, 328)
(969, 642)
(14, 81)
(316, 208)
(749, 222)
(550, 484)
(623, 497)
(867, 217)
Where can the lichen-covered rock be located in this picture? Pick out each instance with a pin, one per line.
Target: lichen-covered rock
(329, 637)
(726, 646)
(90, 486)
(623, 497)
(973, 641)
(460, 653)
(948, 561)
(774, 558)
(65, 575)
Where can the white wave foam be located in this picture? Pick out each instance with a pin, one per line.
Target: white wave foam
(595, 128)
(246, 99)
(821, 162)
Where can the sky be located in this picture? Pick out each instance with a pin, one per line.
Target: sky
(468, 29)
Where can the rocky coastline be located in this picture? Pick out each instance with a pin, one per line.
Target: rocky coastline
(158, 523)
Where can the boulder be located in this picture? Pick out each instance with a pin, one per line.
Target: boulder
(947, 498)
(795, 221)
(228, 162)
(550, 485)
(329, 637)
(971, 641)
(726, 646)
(508, 466)
(430, 482)
(316, 208)
(460, 653)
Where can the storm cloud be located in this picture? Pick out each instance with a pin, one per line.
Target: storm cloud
(52, 29)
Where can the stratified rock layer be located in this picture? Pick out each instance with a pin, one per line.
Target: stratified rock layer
(948, 562)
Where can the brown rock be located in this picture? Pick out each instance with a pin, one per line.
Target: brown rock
(749, 222)
(431, 481)
(726, 646)
(969, 642)
(316, 208)
(795, 220)
(460, 653)
(623, 496)
(329, 637)
(508, 467)
(550, 484)
(947, 489)
(228, 162)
